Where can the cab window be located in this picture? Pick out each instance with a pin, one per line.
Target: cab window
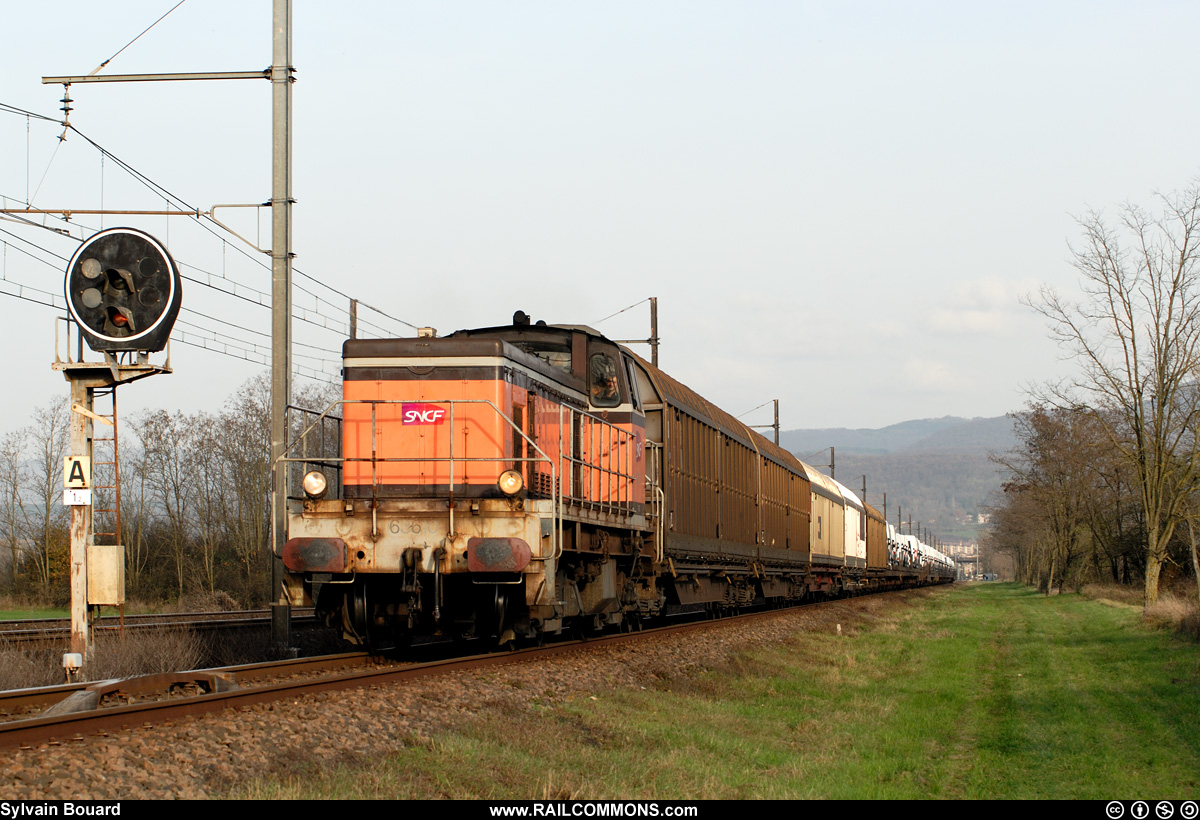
(603, 384)
(633, 388)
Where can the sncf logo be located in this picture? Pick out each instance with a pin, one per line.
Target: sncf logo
(423, 414)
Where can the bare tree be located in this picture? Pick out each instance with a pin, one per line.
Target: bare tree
(136, 502)
(1018, 530)
(12, 478)
(164, 440)
(243, 436)
(1136, 334)
(1055, 471)
(209, 483)
(44, 515)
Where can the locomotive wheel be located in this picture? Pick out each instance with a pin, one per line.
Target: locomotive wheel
(500, 608)
(377, 637)
(360, 613)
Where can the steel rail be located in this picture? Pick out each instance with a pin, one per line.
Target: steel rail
(49, 629)
(165, 618)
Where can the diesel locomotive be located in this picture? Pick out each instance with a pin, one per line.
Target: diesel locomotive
(514, 482)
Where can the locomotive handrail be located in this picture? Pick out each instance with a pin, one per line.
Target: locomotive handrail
(556, 514)
(594, 420)
(322, 460)
(571, 434)
(654, 457)
(575, 426)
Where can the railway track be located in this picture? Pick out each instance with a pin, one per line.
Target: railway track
(72, 712)
(35, 630)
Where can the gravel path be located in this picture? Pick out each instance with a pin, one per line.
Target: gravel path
(203, 756)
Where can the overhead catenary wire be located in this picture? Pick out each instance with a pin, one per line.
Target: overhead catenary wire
(261, 333)
(64, 259)
(20, 238)
(184, 207)
(181, 331)
(303, 315)
(12, 109)
(19, 290)
(24, 220)
(255, 345)
(56, 300)
(237, 352)
(231, 345)
(360, 302)
(215, 340)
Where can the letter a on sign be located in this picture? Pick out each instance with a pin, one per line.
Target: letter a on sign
(77, 473)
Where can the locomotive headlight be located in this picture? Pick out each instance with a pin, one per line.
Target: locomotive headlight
(511, 482)
(315, 484)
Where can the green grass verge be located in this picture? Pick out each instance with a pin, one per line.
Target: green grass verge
(25, 614)
(988, 691)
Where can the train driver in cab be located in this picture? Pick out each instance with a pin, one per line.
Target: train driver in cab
(604, 389)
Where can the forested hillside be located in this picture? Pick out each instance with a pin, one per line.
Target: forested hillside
(936, 470)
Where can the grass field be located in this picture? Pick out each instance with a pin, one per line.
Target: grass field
(24, 614)
(984, 691)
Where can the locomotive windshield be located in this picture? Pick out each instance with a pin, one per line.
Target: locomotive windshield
(602, 380)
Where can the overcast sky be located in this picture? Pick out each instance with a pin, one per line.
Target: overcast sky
(837, 204)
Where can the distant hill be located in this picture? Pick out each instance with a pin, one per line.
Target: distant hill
(949, 433)
(936, 470)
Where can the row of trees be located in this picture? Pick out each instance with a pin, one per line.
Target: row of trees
(1106, 479)
(1069, 511)
(195, 492)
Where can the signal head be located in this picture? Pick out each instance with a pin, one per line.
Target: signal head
(123, 289)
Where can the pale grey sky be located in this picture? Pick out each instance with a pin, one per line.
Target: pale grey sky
(837, 204)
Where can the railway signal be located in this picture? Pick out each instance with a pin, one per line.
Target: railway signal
(123, 290)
